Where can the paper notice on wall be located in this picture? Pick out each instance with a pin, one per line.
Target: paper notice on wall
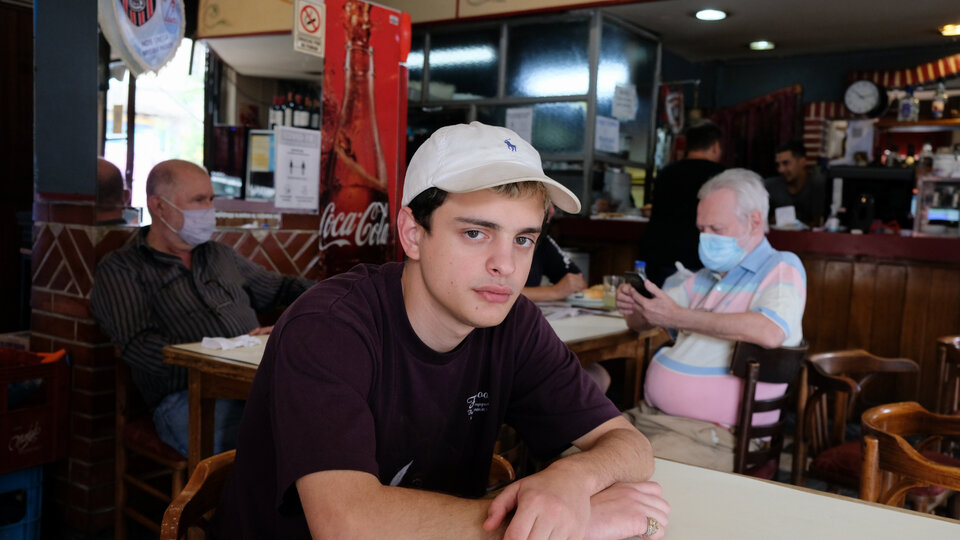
(309, 17)
(297, 177)
(607, 137)
(625, 102)
(520, 119)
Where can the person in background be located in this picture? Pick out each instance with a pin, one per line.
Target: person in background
(113, 195)
(549, 260)
(173, 285)
(796, 186)
(382, 391)
(747, 291)
(671, 235)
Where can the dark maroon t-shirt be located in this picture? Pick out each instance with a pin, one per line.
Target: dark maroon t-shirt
(346, 384)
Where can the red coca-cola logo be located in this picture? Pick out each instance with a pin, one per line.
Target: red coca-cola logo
(370, 227)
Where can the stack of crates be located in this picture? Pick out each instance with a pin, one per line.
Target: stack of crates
(33, 415)
(21, 496)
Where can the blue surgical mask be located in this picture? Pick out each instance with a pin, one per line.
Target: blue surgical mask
(720, 253)
(198, 225)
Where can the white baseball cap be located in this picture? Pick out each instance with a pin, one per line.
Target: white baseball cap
(463, 158)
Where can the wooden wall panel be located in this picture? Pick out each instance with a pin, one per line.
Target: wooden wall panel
(831, 319)
(814, 267)
(860, 319)
(889, 292)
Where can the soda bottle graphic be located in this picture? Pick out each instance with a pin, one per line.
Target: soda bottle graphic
(354, 204)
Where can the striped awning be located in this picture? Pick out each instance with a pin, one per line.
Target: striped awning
(924, 73)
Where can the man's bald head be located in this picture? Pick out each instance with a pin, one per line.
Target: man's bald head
(163, 176)
(112, 191)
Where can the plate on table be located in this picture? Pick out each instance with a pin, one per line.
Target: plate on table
(581, 301)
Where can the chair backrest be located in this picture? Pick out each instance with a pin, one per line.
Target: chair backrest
(834, 381)
(193, 506)
(948, 371)
(754, 364)
(891, 465)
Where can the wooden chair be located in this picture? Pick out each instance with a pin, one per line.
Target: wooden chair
(144, 465)
(892, 467)
(948, 370)
(192, 508)
(754, 364)
(835, 381)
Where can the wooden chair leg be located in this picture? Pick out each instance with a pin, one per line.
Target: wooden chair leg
(120, 494)
(869, 479)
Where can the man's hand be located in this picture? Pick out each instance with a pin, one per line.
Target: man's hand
(622, 511)
(548, 505)
(261, 331)
(569, 284)
(660, 310)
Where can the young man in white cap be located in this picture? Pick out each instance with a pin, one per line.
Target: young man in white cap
(381, 393)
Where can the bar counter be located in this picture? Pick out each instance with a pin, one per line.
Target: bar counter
(891, 295)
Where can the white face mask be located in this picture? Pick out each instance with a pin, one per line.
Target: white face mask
(198, 225)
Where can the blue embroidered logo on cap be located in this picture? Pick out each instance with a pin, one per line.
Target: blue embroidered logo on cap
(510, 145)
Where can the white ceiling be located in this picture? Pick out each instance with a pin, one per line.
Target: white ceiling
(796, 26)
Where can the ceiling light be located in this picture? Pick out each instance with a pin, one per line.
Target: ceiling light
(711, 15)
(762, 45)
(950, 30)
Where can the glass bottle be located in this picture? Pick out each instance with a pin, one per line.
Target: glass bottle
(354, 221)
(288, 110)
(939, 101)
(301, 115)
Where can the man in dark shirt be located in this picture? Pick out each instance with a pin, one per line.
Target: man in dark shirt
(805, 191)
(550, 261)
(672, 235)
(113, 196)
(172, 285)
(378, 401)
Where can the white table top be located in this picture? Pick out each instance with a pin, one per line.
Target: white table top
(574, 329)
(711, 504)
(244, 355)
(569, 330)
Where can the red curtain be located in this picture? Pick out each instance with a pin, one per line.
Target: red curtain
(752, 130)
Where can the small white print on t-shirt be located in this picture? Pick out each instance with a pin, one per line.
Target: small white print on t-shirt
(477, 403)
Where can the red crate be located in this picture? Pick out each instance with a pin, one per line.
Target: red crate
(33, 408)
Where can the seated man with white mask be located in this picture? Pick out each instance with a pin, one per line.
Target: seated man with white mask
(747, 292)
(172, 285)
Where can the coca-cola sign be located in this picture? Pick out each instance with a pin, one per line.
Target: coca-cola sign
(368, 228)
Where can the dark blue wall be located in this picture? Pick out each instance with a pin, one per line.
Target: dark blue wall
(66, 97)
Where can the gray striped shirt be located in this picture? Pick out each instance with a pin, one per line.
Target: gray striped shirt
(145, 299)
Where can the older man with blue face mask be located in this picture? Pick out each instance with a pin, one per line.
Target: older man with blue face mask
(747, 292)
(173, 285)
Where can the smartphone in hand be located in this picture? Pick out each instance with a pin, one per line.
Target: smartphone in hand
(636, 280)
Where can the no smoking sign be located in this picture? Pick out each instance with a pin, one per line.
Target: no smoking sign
(308, 27)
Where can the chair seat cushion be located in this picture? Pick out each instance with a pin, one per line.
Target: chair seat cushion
(843, 461)
(141, 433)
(766, 471)
(942, 459)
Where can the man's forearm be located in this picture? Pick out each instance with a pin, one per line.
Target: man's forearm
(621, 454)
(349, 504)
(750, 326)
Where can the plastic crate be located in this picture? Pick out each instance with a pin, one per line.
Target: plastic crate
(21, 496)
(33, 408)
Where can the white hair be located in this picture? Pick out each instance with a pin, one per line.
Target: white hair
(747, 187)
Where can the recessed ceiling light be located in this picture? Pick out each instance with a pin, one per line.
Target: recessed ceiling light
(762, 45)
(950, 30)
(711, 15)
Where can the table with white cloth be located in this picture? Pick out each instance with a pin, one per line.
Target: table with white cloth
(710, 504)
(216, 373)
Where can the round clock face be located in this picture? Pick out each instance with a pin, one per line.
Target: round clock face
(862, 97)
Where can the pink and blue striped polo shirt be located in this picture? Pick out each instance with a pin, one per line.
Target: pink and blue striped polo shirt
(692, 378)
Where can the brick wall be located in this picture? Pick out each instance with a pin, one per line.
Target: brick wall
(66, 251)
